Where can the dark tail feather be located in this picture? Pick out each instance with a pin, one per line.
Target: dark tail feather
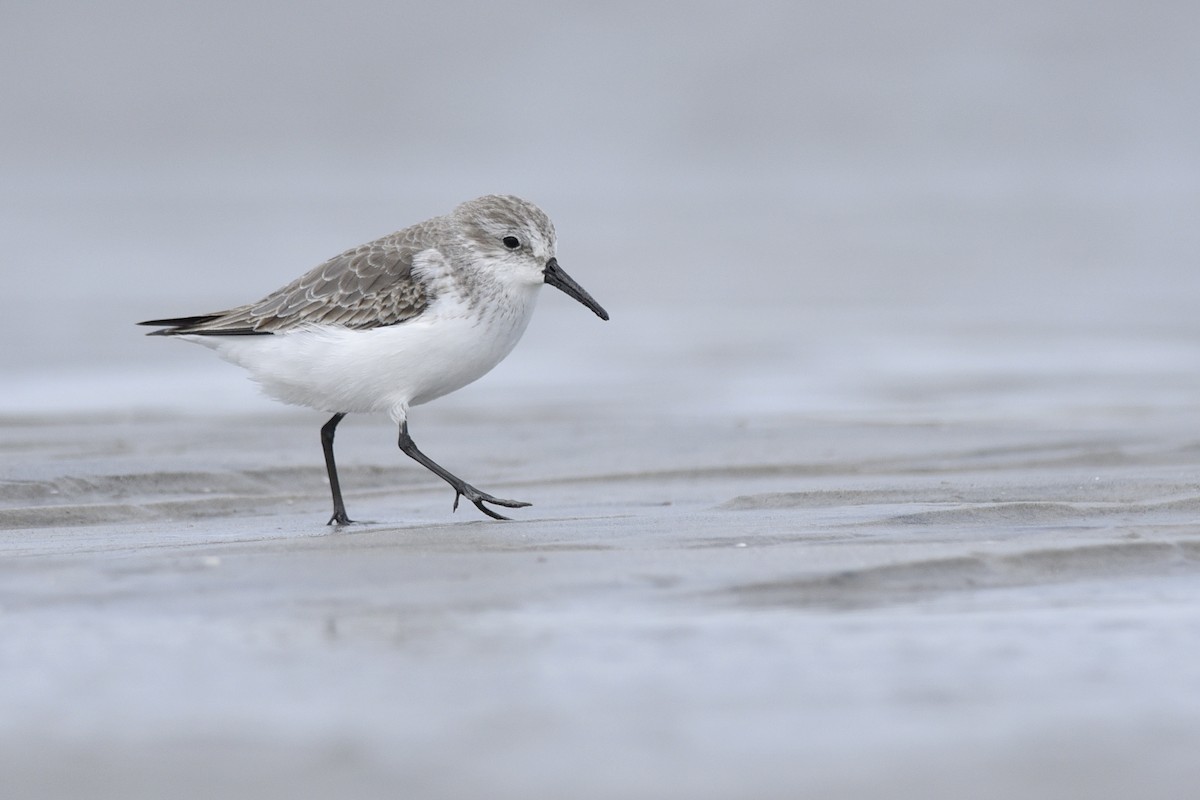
(178, 325)
(180, 322)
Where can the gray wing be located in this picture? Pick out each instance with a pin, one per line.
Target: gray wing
(367, 287)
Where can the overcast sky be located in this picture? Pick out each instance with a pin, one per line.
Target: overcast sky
(597, 92)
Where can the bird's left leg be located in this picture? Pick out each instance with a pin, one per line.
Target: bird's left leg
(339, 508)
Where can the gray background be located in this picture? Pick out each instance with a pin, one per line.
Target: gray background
(881, 482)
(761, 188)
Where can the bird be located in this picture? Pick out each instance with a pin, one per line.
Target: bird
(395, 323)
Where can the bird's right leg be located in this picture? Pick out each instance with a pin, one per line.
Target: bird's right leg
(461, 487)
(339, 508)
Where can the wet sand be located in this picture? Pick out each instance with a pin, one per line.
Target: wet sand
(704, 607)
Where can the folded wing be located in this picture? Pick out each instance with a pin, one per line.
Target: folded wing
(369, 286)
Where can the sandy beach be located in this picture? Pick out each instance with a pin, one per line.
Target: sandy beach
(882, 481)
(699, 608)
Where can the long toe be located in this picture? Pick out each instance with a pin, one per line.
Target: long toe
(506, 503)
(479, 498)
(340, 520)
(479, 504)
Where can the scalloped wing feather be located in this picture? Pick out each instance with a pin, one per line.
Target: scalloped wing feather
(369, 286)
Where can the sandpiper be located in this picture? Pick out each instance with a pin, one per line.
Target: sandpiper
(396, 322)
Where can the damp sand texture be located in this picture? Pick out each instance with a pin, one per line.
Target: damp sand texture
(902, 608)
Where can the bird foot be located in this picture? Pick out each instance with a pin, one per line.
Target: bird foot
(479, 498)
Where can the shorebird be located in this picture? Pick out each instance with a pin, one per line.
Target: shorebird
(396, 322)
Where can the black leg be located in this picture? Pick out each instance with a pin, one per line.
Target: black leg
(339, 508)
(461, 487)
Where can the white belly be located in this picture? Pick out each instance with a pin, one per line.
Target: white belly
(386, 369)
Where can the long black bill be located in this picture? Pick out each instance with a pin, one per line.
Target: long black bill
(556, 277)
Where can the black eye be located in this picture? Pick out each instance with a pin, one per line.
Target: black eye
(511, 242)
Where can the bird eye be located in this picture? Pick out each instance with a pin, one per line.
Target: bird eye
(511, 242)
